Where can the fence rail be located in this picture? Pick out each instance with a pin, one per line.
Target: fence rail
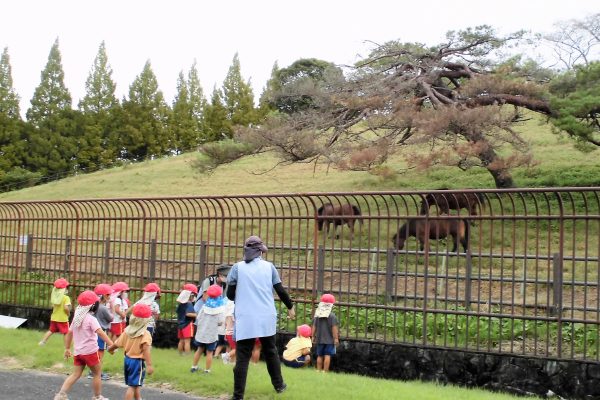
(524, 278)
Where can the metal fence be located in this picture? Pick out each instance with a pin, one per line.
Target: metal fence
(527, 283)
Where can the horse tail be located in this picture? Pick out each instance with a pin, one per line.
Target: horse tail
(425, 203)
(320, 221)
(356, 211)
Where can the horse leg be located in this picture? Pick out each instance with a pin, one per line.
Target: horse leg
(455, 243)
(351, 227)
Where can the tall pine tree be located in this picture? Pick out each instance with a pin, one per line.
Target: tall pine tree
(144, 131)
(184, 133)
(216, 124)
(11, 126)
(100, 107)
(238, 96)
(52, 124)
(197, 99)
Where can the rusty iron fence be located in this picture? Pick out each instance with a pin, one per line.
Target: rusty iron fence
(527, 283)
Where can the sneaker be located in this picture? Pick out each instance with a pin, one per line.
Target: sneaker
(99, 397)
(193, 369)
(225, 357)
(41, 343)
(281, 388)
(207, 371)
(61, 396)
(104, 376)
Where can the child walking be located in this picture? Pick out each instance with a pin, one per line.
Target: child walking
(136, 342)
(84, 333)
(325, 332)
(61, 309)
(229, 357)
(210, 318)
(297, 351)
(149, 298)
(119, 305)
(185, 317)
(104, 317)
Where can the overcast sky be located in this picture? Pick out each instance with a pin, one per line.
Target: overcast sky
(172, 33)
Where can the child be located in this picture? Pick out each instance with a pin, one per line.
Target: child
(229, 357)
(61, 309)
(104, 317)
(84, 333)
(150, 297)
(210, 318)
(185, 317)
(297, 351)
(136, 342)
(119, 308)
(325, 332)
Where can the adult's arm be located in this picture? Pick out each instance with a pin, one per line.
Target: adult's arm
(283, 295)
(231, 291)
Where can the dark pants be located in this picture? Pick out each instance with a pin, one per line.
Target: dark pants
(244, 352)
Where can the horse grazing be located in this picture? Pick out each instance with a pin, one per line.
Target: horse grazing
(453, 201)
(338, 215)
(438, 229)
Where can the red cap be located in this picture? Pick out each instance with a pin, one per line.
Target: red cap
(191, 287)
(304, 330)
(328, 298)
(142, 311)
(152, 287)
(87, 298)
(61, 283)
(214, 291)
(120, 287)
(103, 288)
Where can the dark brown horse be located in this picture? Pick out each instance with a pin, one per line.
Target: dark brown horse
(453, 201)
(438, 229)
(338, 215)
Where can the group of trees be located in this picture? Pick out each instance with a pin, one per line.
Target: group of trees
(455, 104)
(57, 139)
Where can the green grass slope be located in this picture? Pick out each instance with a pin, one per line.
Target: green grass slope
(560, 164)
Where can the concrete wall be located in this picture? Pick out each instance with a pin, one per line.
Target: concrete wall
(507, 373)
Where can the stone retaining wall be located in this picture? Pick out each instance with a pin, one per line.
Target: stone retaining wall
(507, 373)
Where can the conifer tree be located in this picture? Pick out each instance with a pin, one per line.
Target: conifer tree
(184, 131)
(216, 124)
(52, 124)
(238, 96)
(11, 126)
(197, 99)
(145, 132)
(99, 106)
(9, 100)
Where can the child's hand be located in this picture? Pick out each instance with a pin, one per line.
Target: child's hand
(149, 369)
(67, 354)
(111, 351)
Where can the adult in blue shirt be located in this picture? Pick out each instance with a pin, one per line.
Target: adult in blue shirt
(250, 284)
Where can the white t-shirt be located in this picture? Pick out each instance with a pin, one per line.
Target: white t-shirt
(123, 306)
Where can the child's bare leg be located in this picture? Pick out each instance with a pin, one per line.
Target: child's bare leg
(71, 379)
(326, 362)
(197, 356)
(186, 345)
(319, 363)
(219, 349)
(180, 346)
(232, 355)
(46, 337)
(137, 392)
(130, 393)
(209, 358)
(96, 381)
(255, 354)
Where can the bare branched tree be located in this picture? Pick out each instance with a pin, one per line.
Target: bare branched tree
(575, 42)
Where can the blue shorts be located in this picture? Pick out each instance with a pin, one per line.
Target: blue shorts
(207, 346)
(151, 330)
(134, 371)
(325, 349)
(297, 363)
(221, 341)
(101, 343)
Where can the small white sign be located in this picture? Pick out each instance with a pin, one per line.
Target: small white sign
(11, 322)
(23, 240)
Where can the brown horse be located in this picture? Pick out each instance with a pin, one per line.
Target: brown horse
(453, 201)
(438, 229)
(338, 215)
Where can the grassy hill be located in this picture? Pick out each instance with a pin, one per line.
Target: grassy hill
(560, 164)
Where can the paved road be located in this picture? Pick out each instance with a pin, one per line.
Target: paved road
(30, 385)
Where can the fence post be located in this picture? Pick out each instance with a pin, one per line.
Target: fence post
(440, 282)
(389, 275)
(557, 305)
(320, 269)
(67, 254)
(105, 264)
(29, 253)
(468, 279)
(202, 262)
(152, 261)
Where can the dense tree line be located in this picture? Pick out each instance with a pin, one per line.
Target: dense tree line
(454, 99)
(57, 139)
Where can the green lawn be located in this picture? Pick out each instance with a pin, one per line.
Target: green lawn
(19, 350)
(559, 164)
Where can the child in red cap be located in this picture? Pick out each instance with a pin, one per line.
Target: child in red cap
(297, 351)
(136, 342)
(61, 309)
(185, 317)
(84, 332)
(210, 317)
(325, 332)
